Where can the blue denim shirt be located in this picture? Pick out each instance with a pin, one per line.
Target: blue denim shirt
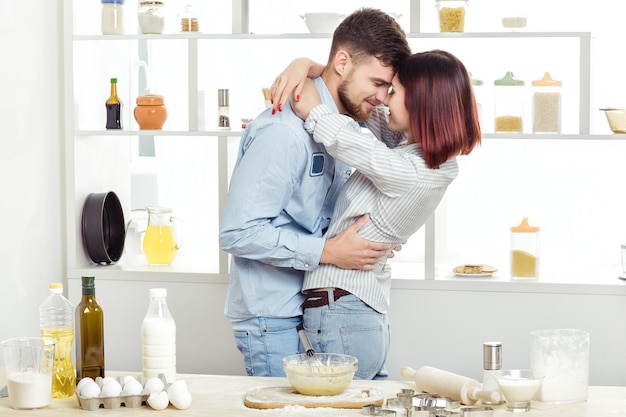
(281, 197)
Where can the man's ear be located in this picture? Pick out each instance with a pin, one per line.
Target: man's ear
(342, 63)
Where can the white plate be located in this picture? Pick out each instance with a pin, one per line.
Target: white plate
(483, 275)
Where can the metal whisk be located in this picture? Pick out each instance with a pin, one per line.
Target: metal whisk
(304, 339)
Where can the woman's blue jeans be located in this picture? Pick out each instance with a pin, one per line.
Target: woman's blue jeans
(351, 327)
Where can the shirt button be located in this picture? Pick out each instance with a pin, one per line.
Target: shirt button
(306, 265)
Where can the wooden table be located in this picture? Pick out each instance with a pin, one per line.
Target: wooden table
(219, 395)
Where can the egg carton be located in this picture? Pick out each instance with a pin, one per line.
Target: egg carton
(130, 401)
(112, 403)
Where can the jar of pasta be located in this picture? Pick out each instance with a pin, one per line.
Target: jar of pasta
(451, 15)
(547, 105)
(524, 251)
(509, 104)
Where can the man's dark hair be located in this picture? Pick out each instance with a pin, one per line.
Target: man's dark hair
(371, 32)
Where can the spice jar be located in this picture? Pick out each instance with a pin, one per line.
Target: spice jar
(547, 105)
(451, 15)
(524, 251)
(509, 104)
(112, 18)
(150, 112)
(223, 109)
(151, 17)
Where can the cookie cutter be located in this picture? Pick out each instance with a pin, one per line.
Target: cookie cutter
(476, 412)
(371, 410)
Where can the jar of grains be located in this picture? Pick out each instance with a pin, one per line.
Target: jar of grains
(451, 15)
(509, 104)
(524, 251)
(547, 105)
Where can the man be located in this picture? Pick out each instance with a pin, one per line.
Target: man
(283, 192)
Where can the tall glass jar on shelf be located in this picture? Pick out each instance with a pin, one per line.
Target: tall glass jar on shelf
(509, 104)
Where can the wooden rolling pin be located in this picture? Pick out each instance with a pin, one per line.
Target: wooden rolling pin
(448, 384)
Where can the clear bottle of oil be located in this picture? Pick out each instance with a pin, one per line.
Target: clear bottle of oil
(56, 320)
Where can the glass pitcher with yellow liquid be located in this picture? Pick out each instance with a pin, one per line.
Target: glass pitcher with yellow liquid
(160, 242)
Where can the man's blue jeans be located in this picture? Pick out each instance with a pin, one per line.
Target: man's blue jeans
(351, 327)
(264, 342)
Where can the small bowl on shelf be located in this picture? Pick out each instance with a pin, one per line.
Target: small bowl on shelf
(321, 374)
(616, 119)
(322, 22)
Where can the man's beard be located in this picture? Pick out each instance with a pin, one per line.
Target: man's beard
(352, 109)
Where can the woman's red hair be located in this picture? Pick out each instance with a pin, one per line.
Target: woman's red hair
(442, 109)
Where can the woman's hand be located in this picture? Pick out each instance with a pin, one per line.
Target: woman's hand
(290, 82)
(310, 98)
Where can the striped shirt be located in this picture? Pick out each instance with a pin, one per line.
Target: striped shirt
(394, 186)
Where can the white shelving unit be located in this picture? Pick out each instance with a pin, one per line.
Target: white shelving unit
(82, 143)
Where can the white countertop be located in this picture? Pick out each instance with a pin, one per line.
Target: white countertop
(219, 395)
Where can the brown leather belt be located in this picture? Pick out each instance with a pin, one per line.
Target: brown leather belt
(319, 298)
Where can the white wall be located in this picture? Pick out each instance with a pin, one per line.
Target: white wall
(32, 252)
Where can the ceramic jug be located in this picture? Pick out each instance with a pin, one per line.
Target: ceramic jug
(161, 242)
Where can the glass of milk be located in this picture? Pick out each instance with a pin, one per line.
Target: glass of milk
(518, 386)
(29, 363)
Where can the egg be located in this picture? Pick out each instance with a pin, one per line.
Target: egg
(132, 387)
(181, 400)
(177, 387)
(153, 384)
(83, 382)
(158, 400)
(179, 395)
(127, 378)
(111, 388)
(89, 390)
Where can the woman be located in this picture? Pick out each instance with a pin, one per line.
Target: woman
(399, 180)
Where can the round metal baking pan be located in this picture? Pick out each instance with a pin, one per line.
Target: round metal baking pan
(104, 229)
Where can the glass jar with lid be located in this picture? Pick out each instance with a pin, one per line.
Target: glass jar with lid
(451, 15)
(112, 17)
(151, 17)
(188, 20)
(478, 86)
(547, 105)
(509, 104)
(524, 251)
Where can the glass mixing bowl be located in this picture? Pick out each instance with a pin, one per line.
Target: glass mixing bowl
(321, 374)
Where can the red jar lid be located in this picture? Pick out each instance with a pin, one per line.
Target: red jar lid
(150, 100)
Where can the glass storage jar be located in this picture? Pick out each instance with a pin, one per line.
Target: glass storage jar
(151, 17)
(188, 20)
(547, 105)
(478, 86)
(509, 104)
(524, 251)
(112, 18)
(451, 15)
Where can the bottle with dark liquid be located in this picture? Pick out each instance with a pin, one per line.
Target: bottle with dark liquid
(114, 108)
(89, 333)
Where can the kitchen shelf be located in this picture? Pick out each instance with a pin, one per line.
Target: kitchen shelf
(208, 133)
(192, 44)
(289, 36)
(237, 133)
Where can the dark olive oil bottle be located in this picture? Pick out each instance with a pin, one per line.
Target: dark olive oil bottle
(89, 333)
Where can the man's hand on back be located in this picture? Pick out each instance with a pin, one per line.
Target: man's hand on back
(348, 250)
